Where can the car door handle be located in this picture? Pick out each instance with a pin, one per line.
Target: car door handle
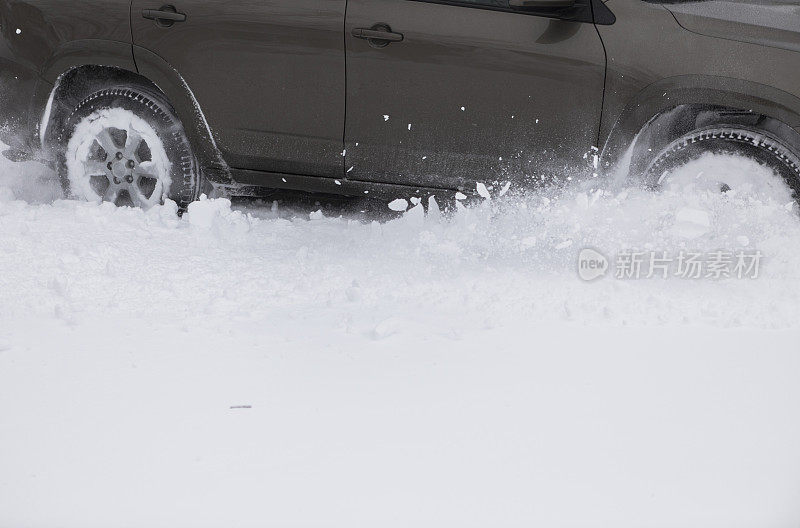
(377, 34)
(167, 15)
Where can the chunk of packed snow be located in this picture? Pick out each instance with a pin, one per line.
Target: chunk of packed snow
(398, 204)
(206, 214)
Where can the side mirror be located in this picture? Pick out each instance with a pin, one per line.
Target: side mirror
(540, 4)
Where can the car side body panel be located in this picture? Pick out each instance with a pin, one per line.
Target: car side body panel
(774, 23)
(269, 76)
(672, 66)
(468, 94)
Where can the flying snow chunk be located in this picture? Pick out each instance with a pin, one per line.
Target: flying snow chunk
(505, 188)
(461, 196)
(483, 191)
(206, 214)
(385, 117)
(433, 209)
(398, 205)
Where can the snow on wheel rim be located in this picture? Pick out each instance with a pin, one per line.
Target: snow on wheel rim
(116, 156)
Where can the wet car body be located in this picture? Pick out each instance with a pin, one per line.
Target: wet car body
(294, 94)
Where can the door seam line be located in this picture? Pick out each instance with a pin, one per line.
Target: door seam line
(344, 120)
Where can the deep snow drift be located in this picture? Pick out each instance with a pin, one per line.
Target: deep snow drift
(268, 365)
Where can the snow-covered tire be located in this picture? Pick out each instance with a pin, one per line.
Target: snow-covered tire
(761, 146)
(127, 146)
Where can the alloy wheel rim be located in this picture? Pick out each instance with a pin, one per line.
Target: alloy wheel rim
(117, 157)
(118, 169)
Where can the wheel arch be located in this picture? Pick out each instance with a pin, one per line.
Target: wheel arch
(670, 107)
(82, 67)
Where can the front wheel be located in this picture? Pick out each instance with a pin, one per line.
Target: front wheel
(127, 146)
(762, 147)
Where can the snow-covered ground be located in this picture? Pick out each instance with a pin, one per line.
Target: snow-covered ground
(275, 365)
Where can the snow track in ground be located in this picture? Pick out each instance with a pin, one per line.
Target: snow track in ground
(251, 367)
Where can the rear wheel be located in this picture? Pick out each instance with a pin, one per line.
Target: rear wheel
(127, 146)
(760, 146)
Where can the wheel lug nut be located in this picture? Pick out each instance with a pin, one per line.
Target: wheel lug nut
(116, 180)
(131, 164)
(129, 178)
(119, 155)
(109, 165)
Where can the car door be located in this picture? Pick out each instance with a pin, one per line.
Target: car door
(453, 92)
(267, 74)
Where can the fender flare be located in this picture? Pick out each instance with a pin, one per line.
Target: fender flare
(667, 94)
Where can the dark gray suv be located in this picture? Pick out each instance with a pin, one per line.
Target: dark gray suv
(136, 101)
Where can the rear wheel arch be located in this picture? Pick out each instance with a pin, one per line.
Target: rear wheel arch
(85, 67)
(73, 86)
